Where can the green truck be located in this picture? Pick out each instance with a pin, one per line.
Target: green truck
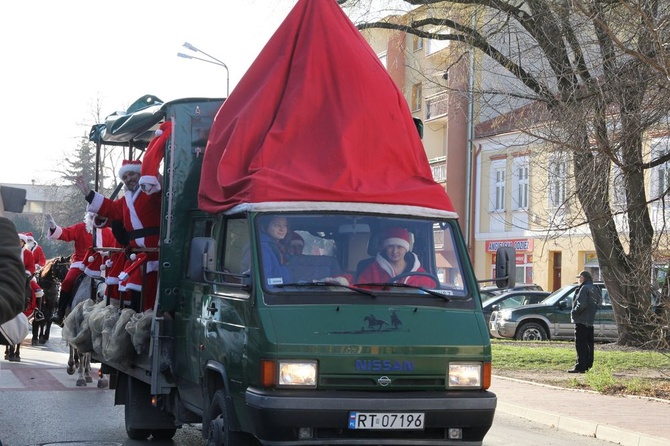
(267, 342)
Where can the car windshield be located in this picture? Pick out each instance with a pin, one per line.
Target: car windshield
(565, 291)
(377, 253)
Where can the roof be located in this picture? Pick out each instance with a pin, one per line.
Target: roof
(317, 119)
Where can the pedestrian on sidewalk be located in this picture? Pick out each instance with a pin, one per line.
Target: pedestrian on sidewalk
(584, 306)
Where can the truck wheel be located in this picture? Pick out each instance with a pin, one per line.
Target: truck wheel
(138, 434)
(163, 434)
(531, 331)
(219, 427)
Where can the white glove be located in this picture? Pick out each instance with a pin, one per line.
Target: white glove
(339, 280)
(50, 221)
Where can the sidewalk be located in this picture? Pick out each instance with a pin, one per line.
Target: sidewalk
(629, 421)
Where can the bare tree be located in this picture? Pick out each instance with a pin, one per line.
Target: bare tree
(598, 74)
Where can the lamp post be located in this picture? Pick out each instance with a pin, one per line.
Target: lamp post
(213, 60)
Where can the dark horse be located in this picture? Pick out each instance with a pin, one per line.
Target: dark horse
(49, 279)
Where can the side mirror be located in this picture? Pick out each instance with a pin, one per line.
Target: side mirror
(13, 199)
(505, 267)
(202, 258)
(495, 307)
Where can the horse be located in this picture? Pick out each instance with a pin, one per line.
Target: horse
(86, 287)
(49, 279)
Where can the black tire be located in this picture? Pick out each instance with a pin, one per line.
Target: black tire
(138, 434)
(531, 331)
(163, 434)
(221, 415)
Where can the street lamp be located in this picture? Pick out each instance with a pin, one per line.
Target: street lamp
(213, 60)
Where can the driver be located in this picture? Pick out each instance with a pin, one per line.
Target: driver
(394, 259)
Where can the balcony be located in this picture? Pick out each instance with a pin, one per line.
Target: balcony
(437, 107)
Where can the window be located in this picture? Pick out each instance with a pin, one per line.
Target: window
(660, 176)
(618, 188)
(434, 45)
(417, 43)
(521, 170)
(557, 179)
(439, 171)
(236, 258)
(499, 186)
(416, 97)
(384, 60)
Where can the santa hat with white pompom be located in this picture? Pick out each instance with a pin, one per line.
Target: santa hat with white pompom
(149, 181)
(94, 263)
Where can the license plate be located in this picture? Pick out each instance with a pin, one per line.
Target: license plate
(382, 420)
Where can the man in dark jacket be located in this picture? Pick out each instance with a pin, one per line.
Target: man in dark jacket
(584, 306)
(12, 277)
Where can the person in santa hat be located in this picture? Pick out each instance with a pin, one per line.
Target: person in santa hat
(29, 265)
(141, 216)
(82, 235)
(394, 259)
(38, 253)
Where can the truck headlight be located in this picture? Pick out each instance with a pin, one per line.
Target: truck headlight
(464, 374)
(297, 373)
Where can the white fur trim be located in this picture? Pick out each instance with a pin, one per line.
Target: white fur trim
(396, 241)
(150, 184)
(392, 209)
(135, 221)
(56, 234)
(91, 273)
(137, 168)
(96, 203)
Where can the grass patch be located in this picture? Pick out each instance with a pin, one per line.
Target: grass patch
(616, 370)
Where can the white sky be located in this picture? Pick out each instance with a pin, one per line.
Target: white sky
(60, 57)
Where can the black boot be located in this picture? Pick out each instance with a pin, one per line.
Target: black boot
(63, 302)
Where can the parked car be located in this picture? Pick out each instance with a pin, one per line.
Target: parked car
(488, 291)
(512, 299)
(550, 319)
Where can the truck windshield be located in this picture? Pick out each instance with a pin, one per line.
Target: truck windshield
(375, 253)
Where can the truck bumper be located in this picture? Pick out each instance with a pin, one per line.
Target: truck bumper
(277, 416)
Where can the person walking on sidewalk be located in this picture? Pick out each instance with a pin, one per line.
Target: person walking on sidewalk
(584, 306)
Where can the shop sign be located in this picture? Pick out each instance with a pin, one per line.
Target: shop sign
(525, 244)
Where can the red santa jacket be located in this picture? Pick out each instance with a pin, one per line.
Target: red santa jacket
(39, 256)
(28, 260)
(82, 239)
(140, 213)
(381, 271)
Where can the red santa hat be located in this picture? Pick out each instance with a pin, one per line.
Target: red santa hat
(29, 236)
(130, 166)
(152, 159)
(396, 236)
(94, 263)
(23, 237)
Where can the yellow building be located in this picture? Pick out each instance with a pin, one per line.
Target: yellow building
(505, 188)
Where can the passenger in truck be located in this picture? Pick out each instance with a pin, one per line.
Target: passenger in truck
(393, 259)
(273, 252)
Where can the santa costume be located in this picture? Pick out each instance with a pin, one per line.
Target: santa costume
(82, 235)
(38, 253)
(141, 216)
(29, 265)
(381, 270)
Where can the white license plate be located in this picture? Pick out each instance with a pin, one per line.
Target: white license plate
(382, 420)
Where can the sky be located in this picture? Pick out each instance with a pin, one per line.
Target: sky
(62, 58)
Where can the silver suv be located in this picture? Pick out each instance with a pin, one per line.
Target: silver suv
(550, 319)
